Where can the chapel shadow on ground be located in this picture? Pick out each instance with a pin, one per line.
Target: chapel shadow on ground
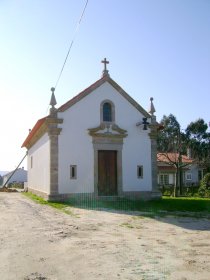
(188, 214)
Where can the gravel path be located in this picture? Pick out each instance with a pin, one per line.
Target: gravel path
(38, 242)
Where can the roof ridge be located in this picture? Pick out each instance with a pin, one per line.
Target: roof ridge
(82, 94)
(88, 90)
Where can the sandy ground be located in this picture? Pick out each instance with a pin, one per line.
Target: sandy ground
(39, 242)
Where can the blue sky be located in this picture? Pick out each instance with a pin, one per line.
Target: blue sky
(157, 48)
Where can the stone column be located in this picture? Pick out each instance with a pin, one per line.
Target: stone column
(153, 136)
(53, 132)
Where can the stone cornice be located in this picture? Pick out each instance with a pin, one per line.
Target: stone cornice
(108, 130)
(48, 125)
(37, 135)
(50, 120)
(52, 125)
(119, 130)
(153, 130)
(52, 131)
(93, 131)
(111, 136)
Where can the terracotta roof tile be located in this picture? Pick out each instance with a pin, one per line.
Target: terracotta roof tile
(170, 168)
(33, 131)
(171, 157)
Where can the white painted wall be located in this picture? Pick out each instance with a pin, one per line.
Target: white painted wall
(193, 170)
(38, 174)
(136, 149)
(76, 148)
(172, 178)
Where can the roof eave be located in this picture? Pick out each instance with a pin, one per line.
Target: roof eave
(97, 84)
(34, 134)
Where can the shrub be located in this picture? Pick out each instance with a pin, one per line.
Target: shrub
(190, 190)
(204, 190)
(16, 185)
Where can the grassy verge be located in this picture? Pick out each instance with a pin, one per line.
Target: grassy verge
(186, 206)
(58, 205)
(165, 204)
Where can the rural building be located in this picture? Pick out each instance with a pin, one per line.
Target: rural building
(191, 171)
(101, 143)
(15, 176)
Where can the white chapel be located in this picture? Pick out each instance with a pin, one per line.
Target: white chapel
(101, 143)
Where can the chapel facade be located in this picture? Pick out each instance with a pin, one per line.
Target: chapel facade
(101, 143)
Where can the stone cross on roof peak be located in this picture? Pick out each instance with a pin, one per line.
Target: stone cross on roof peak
(105, 71)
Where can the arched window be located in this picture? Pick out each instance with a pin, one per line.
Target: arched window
(107, 112)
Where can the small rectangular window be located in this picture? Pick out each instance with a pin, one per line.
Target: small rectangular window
(164, 179)
(139, 171)
(73, 172)
(189, 176)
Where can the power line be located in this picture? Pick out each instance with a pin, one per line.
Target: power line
(74, 37)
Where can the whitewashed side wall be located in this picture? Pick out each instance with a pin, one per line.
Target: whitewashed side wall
(76, 148)
(38, 165)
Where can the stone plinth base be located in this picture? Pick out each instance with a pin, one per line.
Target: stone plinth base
(135, 195)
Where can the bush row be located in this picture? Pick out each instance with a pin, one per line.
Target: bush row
(201, 191)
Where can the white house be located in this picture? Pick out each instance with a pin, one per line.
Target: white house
(192, 173)
(100, 143)
(16, 176)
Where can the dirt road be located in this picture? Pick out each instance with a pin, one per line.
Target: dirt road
(39, 242)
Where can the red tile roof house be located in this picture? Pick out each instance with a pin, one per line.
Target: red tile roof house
(192, 172)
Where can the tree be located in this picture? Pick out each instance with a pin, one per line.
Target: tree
(167, 138)
(172, 145)
(198, 140)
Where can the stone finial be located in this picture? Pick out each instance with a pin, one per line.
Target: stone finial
(52, 102)
(105, 71)
(152, 107)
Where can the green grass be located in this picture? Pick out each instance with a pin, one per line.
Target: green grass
(58, 205)
(185, 206)
(165, 204)
(127, 225)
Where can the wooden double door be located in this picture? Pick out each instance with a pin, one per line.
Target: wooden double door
(107, 173)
